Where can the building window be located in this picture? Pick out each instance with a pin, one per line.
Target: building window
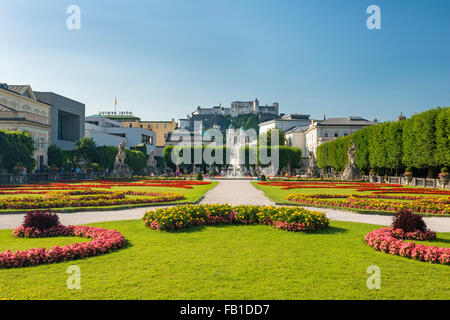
(345, 134)
(131, 125)
(165, 126)
(326, 134)
(336, 135)
(60, 126)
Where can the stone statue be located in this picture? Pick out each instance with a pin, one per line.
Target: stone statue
(312, 171)
(121, 170)
(151, 163)
(351, 155)
(351, 172)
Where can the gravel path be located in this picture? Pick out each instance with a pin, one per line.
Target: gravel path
(233, 192)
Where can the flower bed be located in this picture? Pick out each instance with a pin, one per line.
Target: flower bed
(103, 241)
(427, 205)
(392, 241)
(287, 218)
(87, 198)
(102, 184)
(376, 188)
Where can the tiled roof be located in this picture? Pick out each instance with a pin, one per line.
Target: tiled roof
(349, 121)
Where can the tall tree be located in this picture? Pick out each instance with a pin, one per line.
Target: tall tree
(442, 153)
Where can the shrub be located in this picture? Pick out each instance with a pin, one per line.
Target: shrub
(263, 178)
(199, 176)
(42, 220)
(444, 170)
(408, 222)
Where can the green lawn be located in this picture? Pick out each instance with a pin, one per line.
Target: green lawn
(229, 262)
(191, 196)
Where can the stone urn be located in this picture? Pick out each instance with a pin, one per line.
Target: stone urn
(408, 177)
(444, 179)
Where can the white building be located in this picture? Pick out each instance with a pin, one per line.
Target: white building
(285, 123)
(107, 132)
(318, 132)
(20, 110)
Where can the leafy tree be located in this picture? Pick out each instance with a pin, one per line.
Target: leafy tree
(55, 156)
(419, 141)
(16, 147)
(394, 145)
(442, 153)
(87, 149)
(377, 147)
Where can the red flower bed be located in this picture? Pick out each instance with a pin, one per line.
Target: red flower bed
(87, 198)
(101, 184)
(392, 241)
(103, 241)
(377, 188)
(421, 205)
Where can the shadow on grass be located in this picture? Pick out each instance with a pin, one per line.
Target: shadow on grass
(438, 240)
(329, 230)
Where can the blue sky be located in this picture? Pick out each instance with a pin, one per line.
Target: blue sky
(161, 58)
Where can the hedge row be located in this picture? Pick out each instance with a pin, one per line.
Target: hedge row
(421, 142)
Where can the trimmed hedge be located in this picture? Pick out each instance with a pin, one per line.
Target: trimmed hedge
(421, 142)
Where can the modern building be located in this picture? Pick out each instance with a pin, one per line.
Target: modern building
(20, 110)
(107, 132)
(67, 119)
(285, 123)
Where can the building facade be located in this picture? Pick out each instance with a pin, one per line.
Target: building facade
(107, 132)
(238, 108)
(320, 132)
(308, 138)
(285, 123)
(20, 110)
(67, 119)
(160, 128)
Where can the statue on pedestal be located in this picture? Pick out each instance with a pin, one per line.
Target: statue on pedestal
(312, 171)
(351, 172)
(151, 163)
(121, 170)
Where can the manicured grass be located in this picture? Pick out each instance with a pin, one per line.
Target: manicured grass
(191, 196)
(230, 262)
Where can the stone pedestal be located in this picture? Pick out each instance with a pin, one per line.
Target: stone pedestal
(351, 173)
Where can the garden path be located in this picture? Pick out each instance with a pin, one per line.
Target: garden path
(233, 192)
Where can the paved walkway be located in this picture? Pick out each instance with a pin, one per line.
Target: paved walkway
(234, 192)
